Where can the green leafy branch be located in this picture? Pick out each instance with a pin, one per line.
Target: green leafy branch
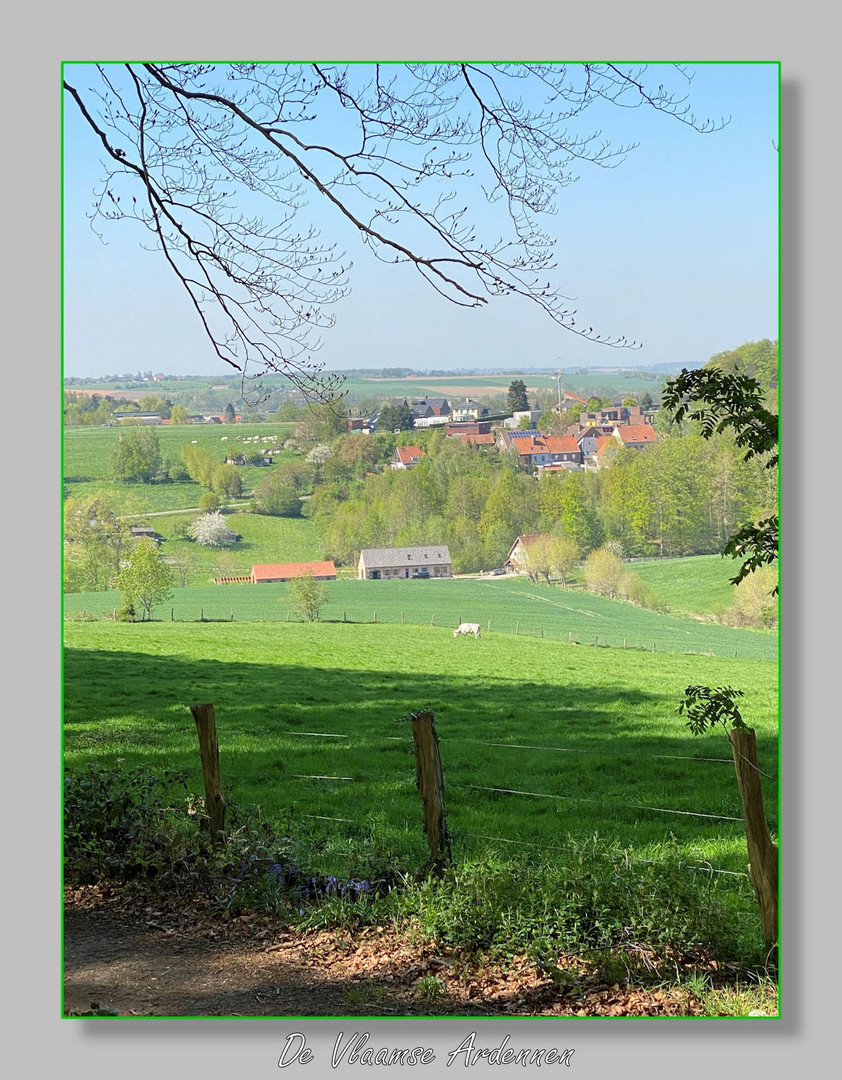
(705, 707)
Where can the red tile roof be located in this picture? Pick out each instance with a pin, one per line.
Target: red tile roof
(476, 440)
(637, 433)
(275, 571)
(546, 444)
(409, 455)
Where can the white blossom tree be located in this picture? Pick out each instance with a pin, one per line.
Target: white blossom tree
(211, 531)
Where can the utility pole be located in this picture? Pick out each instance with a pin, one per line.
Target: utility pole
(558, 381)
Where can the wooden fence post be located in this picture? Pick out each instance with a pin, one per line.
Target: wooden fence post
(762, 853)
(209, 754)
(432, 619)
(428, 776)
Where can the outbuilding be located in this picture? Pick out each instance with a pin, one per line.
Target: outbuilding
(268, 572)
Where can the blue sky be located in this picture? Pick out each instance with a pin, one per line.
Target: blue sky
(677, 248)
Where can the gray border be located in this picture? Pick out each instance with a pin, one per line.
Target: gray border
(229, 1047)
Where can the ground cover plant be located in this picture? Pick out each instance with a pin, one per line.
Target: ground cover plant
(509, 605)
(551, 753)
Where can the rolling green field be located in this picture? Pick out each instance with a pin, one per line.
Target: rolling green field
(508, 605)
(699, 585)
(266, 539)
(87, 454)
(540, 741)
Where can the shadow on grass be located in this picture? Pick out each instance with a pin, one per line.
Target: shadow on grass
(121, 701)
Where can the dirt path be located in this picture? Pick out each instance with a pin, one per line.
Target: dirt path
(150, 963)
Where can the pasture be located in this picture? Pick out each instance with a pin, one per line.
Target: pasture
(504, 606)
(87, 457)
(266, 539)
(542, 743)
(699, 584)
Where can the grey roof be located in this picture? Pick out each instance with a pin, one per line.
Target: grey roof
(432, 555)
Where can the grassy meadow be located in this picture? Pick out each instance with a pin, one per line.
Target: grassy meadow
(541, 741)
(508, 605)
(698, 585)
(87, 461)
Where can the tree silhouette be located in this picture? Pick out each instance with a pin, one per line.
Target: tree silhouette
(217, 161)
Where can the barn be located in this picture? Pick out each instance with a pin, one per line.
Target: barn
(268, 572)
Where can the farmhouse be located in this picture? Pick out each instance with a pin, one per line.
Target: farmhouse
(518, 552)
(267, 572)
(404, 562)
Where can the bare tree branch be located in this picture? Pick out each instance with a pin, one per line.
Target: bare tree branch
(218, 163)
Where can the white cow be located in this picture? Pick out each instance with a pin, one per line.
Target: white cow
(467, 628)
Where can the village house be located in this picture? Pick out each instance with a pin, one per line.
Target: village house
(430, 410)
(469, 427)
(518, 552)
(469, 410)
(635, 436)
(432, 561)
(537, 451)
(617, 414)
(406, 457)
(531, 415)
(263, 573)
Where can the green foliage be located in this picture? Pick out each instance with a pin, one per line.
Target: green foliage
(755, 602)
(395, 418)
(119, 825)
(603, 572)
(136, 456)
(706, 707)
(597, 896)
(516, 399)
(146, 580)
(757, 359)
(722, 401)
(308, 596)
(94, 542)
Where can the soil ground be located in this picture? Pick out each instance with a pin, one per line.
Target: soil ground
(125, 960)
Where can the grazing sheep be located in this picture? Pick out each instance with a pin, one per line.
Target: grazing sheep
(467, 628)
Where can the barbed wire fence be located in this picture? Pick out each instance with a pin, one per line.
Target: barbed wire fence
(440, 848)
